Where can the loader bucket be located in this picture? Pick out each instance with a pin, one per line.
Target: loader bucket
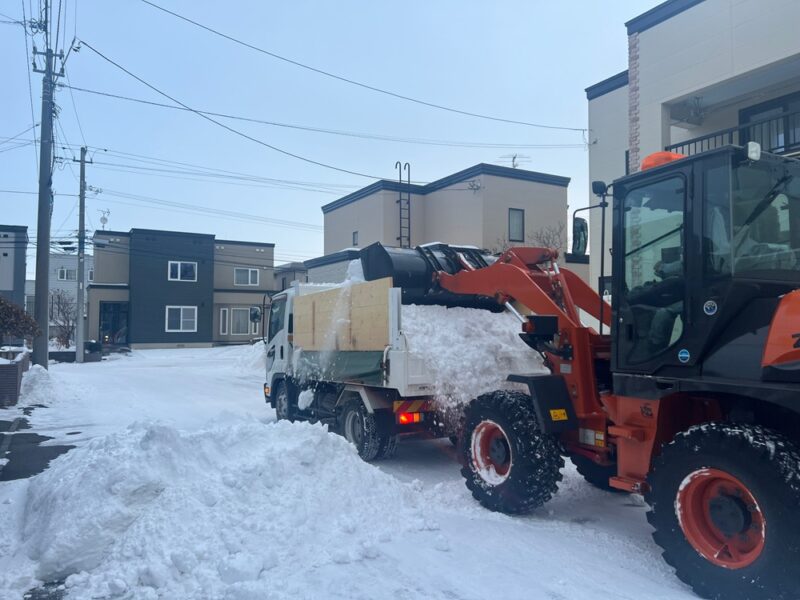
(412, 269)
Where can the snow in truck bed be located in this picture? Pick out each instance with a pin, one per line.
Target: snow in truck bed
(467, 351)
(183, 487)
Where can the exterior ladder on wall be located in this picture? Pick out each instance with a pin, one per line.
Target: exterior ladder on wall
(404, 205)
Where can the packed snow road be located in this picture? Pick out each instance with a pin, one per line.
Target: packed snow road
(181, 485)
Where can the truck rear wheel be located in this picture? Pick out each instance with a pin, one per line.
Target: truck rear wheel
(510, 465)
(723, 502)
(362, 429)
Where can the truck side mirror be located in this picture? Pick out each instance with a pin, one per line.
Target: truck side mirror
(580, 236)
(599, 188)
(255, 314)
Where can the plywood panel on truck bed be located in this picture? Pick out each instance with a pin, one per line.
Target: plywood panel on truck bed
(349, 318)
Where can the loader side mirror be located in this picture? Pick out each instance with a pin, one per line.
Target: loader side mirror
(580, 236)
(599, 188)
(255, 314)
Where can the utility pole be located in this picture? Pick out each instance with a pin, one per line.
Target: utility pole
(42, 293)
(80, 327)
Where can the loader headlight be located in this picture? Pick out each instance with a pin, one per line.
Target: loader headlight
(753, 151)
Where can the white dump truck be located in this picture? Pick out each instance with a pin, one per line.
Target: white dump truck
(337, 354)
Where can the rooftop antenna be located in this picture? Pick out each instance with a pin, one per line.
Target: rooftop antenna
(515, 159)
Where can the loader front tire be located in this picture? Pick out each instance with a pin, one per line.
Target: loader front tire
(510, 465)
(723, 505)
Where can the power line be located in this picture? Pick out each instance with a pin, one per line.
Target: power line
(354, 134)
(184, 207)
(30, 85)
(227, 127)
(5, 140)
(16, 147)
(228, 180)
(357, 83)
(75, 106)
(35, 193)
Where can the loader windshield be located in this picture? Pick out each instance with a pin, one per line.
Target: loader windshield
(752, 220)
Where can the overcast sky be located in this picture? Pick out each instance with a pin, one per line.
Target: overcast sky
(523, 60)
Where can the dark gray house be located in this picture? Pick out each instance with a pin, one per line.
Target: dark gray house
(13, 247)
(157, 289)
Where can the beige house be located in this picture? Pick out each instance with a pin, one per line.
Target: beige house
(701, 74)
(487, 206)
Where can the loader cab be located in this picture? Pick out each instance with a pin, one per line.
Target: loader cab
(700, 243)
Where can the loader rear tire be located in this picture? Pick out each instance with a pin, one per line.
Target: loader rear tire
(597, 475)
(723, 503)
(510, 465)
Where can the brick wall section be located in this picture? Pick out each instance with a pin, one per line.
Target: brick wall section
(633, 102)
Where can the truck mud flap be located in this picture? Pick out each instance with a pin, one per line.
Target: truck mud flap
(551, 401)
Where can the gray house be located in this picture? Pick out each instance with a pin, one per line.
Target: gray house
(157, 289)
(286, 273)
(13, 247)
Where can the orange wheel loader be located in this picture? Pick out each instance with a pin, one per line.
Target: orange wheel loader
(687, 390)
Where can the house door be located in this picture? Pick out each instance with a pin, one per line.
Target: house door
(114, 322)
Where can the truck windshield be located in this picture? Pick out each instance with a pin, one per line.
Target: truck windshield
(752, 220)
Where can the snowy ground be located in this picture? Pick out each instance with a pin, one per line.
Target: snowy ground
(183, 486)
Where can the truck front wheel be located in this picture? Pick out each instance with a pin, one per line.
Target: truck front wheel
(510, 465)
(723, 503)
(285, 405)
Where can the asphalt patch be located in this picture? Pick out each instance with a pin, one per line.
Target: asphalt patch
(24, 451)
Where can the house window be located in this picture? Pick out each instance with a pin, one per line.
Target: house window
(245, 276)
(179, 270)
(223, 321)
(774, 124)
(283, 283)
(65, 274)
(240, 321)
(516, 225)
(181, 319)
(91, 274)
(355, 238)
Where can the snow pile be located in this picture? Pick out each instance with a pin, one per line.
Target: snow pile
(468, 351)
(241, 511)
(355, 272)
(37, 387)
(252, 357)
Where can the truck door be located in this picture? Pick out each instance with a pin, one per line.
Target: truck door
(650, 255)
(276, 338)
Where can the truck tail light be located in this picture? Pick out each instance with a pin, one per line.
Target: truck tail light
(407, 418)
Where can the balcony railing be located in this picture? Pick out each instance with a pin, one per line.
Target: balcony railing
(779, 135)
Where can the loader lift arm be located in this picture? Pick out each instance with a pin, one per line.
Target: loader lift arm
(531, 278)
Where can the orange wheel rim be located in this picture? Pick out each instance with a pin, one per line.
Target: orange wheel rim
(721, 518)
(491, 452)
